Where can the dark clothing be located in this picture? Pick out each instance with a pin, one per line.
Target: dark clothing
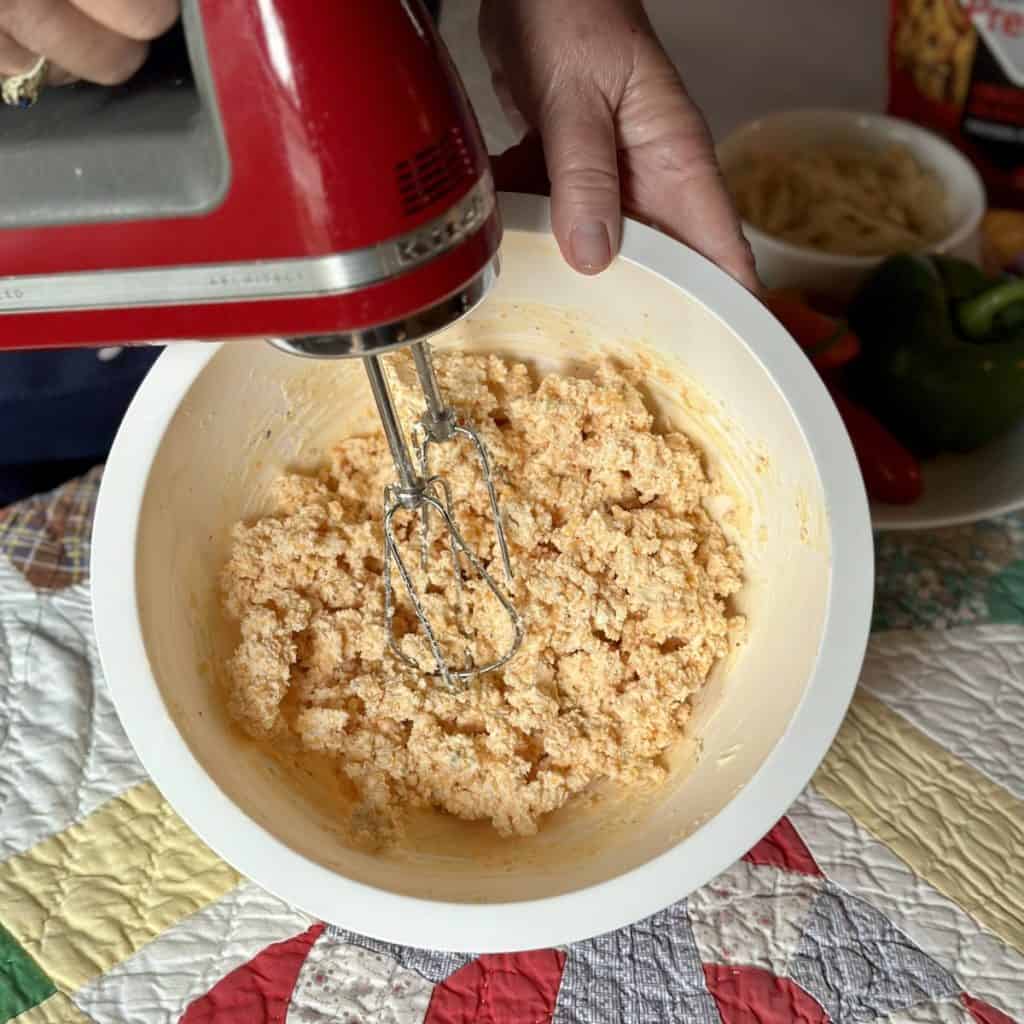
(18, 482)
(60, 410)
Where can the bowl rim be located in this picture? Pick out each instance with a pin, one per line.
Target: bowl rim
(955, 165)
(553, 920)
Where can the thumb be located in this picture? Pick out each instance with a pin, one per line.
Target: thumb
(579, 146)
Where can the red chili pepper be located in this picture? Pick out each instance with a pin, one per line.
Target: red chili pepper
(891, 473)
(828, 342)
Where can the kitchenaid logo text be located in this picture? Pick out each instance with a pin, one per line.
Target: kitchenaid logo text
(439, 238)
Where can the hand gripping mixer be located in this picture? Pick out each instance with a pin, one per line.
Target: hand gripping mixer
(312, 173)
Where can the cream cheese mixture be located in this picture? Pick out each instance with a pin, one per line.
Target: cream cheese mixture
(623, 582)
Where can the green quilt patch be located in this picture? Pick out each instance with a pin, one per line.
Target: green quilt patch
(22, 982)
(959, 576)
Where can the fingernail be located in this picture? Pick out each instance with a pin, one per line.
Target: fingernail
(591, 247)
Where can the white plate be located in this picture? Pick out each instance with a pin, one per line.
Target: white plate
(963, 488)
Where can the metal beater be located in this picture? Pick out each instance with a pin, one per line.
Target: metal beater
(420, 493)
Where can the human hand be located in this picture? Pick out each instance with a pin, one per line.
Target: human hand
(617, 127)
(103, 41)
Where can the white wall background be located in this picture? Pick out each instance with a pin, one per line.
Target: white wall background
(740, 58)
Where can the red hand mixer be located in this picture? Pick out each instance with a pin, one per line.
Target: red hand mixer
(315, 176)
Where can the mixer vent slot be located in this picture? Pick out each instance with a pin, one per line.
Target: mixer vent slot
(433, 172)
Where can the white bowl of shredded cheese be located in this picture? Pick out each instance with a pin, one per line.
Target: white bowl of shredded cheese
(826, 195)
(714, 386)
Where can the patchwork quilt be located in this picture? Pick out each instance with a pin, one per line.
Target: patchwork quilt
(892, 891)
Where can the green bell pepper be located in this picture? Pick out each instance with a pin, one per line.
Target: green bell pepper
(942, 352)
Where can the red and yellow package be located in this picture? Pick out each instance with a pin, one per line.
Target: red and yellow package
(957, 67)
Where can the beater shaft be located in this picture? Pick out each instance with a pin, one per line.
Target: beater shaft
(438, 421)
(408, 479)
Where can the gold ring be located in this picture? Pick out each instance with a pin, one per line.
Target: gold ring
(23, 90)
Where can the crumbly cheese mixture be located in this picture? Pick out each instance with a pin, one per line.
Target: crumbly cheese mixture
(622, 581)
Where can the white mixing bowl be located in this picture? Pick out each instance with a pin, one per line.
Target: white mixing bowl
(782, 264)
(213, 425)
